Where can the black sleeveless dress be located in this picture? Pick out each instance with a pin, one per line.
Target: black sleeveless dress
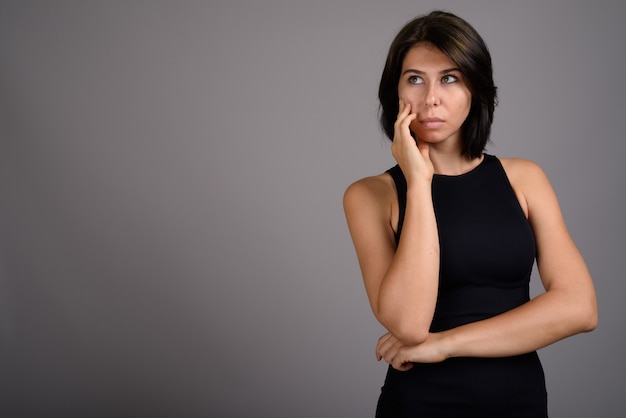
(487, 250)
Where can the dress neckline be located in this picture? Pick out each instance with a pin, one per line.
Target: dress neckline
(468, 173)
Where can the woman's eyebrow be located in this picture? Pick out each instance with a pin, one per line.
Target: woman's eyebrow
(420, 72)
(413, 71)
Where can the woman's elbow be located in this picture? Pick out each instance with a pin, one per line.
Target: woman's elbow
(591, 320)
(413, 338)
(588, 315)
(408, 332)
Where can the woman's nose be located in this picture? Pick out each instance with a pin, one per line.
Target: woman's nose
(432, 96)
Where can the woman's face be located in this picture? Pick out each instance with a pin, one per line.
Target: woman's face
(437, 92)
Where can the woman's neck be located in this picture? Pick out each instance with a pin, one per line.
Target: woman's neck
(452, 163)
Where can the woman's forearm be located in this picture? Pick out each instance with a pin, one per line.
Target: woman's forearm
(408, 292)
(542, 321)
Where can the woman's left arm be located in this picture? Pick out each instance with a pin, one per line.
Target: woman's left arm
(567, 307)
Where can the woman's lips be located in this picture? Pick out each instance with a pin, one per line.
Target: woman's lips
(432, 123)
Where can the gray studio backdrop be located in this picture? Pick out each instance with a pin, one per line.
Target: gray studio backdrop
(172, 237)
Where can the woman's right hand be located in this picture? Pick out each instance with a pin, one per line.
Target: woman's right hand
(412, 157)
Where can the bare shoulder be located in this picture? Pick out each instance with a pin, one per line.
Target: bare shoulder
(374, 188)
(528, 181)
(532, 187)
(524, 175)
(371, 198)
(520, 169)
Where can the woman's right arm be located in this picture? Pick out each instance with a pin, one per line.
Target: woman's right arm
(401, 283)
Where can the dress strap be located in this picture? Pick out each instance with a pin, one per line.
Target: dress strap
(400, 182)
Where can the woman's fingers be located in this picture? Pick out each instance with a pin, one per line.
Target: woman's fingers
(403, 121)
(390, 349)
(401, 365)
(382, 346)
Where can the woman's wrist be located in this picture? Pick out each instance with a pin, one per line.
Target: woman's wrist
(419, 187)
(447, 344)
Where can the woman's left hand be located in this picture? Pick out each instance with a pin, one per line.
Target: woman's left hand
(401, 357)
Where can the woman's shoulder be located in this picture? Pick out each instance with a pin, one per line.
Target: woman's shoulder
(377, 191)
(376, 186)
(515, 163)
(528, 180)
(521, 171)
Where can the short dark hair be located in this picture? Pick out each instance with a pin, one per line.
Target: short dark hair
(460, 42)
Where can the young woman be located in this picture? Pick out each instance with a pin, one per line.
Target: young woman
(446, 240)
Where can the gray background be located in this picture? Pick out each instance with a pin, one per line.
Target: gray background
(172, 237)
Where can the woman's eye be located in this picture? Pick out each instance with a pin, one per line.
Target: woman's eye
(448, 79)
(415, 79)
